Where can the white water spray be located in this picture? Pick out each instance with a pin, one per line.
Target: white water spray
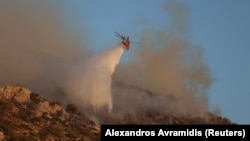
(90, 81)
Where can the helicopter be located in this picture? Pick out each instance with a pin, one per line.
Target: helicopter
(125, 41)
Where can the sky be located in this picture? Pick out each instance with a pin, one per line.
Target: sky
(221, 28)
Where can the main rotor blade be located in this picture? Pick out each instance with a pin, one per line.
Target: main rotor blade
(120, 36)
(135, 42)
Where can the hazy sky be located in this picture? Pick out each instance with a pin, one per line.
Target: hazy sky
(221, 28)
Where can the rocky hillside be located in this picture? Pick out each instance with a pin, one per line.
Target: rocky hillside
(26, 116)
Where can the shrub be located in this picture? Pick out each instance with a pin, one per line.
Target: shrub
(6, 104)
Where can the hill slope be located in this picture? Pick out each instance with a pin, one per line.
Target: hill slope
(26, 116)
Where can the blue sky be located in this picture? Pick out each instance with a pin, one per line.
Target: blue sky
(221, 28)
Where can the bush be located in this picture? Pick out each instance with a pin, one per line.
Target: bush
(35, 97)
(6, 104)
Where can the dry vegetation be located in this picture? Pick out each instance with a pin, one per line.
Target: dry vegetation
(31, 117)
(36, 120)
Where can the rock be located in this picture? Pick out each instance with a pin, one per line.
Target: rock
(46, 107)
(26, 115)
(6, 92)
(1, 136)
(19, 94)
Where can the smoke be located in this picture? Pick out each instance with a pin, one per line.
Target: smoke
(40, 52)
(90, 80)
(167, 65)
(36, 46)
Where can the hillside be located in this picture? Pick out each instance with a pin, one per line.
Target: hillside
(27, 116)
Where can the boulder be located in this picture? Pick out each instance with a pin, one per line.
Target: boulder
(18, 94)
